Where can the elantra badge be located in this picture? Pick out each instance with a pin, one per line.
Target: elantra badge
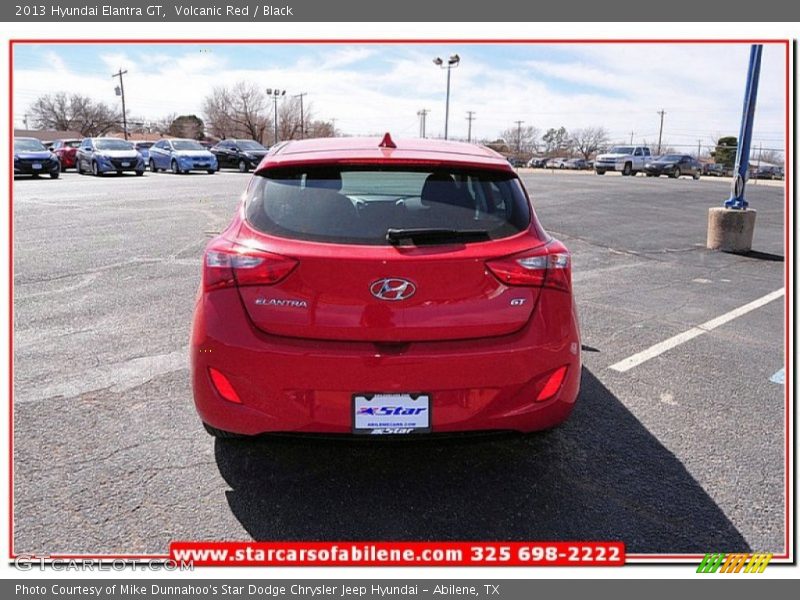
(392, 289)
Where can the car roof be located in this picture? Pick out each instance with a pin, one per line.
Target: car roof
(27, 138)
(383, 151)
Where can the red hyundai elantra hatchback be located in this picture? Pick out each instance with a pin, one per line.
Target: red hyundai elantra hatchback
(372, 287)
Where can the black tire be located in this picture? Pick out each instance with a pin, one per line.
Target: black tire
(675, 173)
(600, 172)
(153, 167)
(174, 167)
(696, 176)
(243, 167)
(627, 170)
(78, 167)
(211, 171)
(54, 174)
(119, 173)
(224, 435)
(650, 174)
(139, 173)
(95, 169)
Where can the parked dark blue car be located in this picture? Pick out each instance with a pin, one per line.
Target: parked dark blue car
(32, 158)
(181, 156)
(108, 155)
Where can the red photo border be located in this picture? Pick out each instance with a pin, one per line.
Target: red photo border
(785, 555)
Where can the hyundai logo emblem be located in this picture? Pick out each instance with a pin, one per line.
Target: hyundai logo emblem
(392, 289)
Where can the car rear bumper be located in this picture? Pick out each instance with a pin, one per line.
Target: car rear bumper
(295, 385)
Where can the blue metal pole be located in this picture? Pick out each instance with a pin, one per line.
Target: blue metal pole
(746, 130)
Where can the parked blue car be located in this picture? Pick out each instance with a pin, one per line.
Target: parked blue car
(181, 156)
(108, 155)
(144, 149)
(32, 158)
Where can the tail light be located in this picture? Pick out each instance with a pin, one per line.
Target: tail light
(227, 265)
(548, 267)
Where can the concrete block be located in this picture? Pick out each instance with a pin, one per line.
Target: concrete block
(730, 230)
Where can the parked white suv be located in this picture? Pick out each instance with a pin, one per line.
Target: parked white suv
(629, 160)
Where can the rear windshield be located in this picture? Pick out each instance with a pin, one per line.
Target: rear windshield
(143, 144)
(72, 144)
(360, 205)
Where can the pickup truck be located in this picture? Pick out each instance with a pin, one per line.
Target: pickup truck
(627, 159)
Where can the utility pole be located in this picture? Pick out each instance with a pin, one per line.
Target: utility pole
(519, 136)
(632, 132)
(698, 148)
(121, 92)
(423, 115)
(470, 119)
(302, 116)
(333, 126)
(661, 112)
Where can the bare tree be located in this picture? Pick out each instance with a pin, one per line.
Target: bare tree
(239, 111)
(525, 138)
(589, 140)
(163, 124)
(73, 112)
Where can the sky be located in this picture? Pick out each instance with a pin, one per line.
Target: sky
(373, 88)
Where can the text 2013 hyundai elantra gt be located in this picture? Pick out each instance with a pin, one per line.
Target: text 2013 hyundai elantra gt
(372, 287)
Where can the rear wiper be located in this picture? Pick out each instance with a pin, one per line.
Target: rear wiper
(419, 237)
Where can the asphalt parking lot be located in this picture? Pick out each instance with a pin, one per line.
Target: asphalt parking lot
(681, 453)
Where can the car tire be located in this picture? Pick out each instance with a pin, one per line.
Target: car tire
(139, 173)
(211, 171)
(119, 173)
(696, 176)
(174, 167)
(54, 174)
(600, 172)
(243, 167)
(224, 435)
(676, 172)
(627, 170)
(95, 169)
(78, 168)
(153, 167)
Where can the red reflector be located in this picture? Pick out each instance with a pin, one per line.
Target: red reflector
(553, 384)
(223, 386)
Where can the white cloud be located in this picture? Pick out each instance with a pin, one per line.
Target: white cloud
(371, 89)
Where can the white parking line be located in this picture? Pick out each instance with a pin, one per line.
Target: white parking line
(640, 357)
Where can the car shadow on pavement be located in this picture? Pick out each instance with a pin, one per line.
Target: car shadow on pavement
(600, 476)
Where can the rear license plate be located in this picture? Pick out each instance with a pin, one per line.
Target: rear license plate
(391, 414)
(126, 164)
(37, 165)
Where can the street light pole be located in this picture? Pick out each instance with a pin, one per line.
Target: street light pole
(451, 63)
(275, 94)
